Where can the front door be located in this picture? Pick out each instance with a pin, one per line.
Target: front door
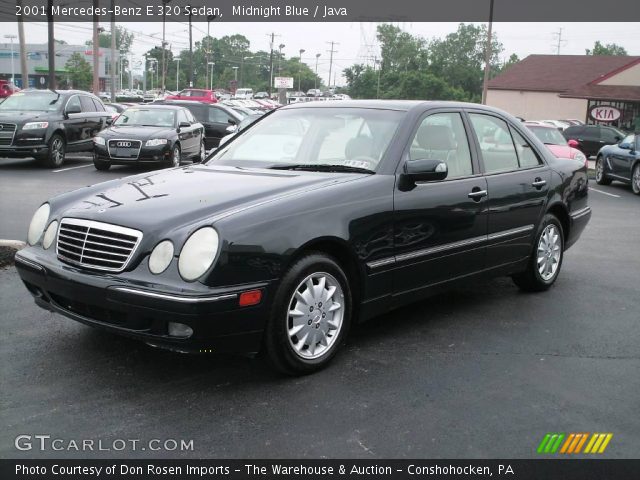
(622, 159)
(517, 184)
(440, 227)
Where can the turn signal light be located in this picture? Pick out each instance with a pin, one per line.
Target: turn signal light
(252, 297)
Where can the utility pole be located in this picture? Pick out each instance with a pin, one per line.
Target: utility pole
(315, 80)
(144, 76)
(113, 52)
(208, 52)
(272, 35)
(378, 63)
(96, 50)
(331, 52)
(13, 71)
(190, 50)
(487, 56)
(178, 74)
(51, 54)
(560, 42)
(302, 50)
(24, 73)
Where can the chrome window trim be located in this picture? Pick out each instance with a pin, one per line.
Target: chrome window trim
(177, 298)
(123, 140)
(109, 227)
(448, 246)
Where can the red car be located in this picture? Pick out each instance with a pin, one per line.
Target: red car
(7, 88)
(195, 94)
(559, 146)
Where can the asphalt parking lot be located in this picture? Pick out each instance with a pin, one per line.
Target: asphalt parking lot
(480, 372)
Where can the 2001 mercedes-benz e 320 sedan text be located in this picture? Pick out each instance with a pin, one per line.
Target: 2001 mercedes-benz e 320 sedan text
(311, 218)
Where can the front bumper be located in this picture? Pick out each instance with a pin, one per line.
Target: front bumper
(578, 222)
(23, 151)
(160, 154)
(143, 312)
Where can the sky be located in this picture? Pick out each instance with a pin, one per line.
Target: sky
(355, 40)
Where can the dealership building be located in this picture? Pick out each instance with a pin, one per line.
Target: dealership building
(556, 87)
(38, 64)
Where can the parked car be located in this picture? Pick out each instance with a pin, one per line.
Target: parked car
(313, 218)
(150, 134)
(243, 94)
(620, 162)
(195, 94)
(591, 138)
(261, 95)
(7, 88)
(115, 109)
(573, 121)
(46, 124)
(314, 92)
(218, 120)
(559, 124)
(246, 121)
(555, 142)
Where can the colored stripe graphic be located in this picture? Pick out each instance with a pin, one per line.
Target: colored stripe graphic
(543, 443)
(598, 443)
(572, 443)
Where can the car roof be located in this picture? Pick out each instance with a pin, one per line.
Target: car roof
(59, 92)
(540, 125)
(402, 105)
(157, 106)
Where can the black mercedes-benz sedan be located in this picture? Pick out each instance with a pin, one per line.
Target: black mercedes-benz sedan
(315, 217)
(150, 134)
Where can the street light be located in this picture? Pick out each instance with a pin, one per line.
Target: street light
(235, 73)
(211, 77)
(13, 78)
(280, 47)
(177, 74)
(302, 50)
(242, 69)
(315, 80)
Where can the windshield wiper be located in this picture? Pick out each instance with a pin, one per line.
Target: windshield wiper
(313, 167)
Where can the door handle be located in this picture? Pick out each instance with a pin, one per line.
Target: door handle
(476, 194)
(539, 183)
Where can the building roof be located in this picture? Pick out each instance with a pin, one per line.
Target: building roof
(560, 73)
(605, 92)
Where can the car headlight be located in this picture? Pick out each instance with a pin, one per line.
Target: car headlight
(161, 257)
(50, 234)
(35, 125)
(154, 142)
(99, 141)
(38, 222)
(198, 253)
(580, 157)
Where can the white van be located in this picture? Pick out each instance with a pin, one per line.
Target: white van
(244, 93)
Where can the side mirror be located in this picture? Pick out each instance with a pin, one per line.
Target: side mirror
(573, 143)
(618, 138)
(231, 128)
(232, 122)
(625, 146)
(426, 170)
(109, 120)
(184, 125)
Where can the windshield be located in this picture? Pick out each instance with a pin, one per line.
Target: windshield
(549, 136)
(156, 117)
(42, 102)
(350, 137)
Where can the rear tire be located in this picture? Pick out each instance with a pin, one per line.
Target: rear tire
(310, 316)
(55, 156)
(635, 179)
(601, 177)
(544, 264)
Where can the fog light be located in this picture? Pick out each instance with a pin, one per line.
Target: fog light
(252, 297)
(180, 330)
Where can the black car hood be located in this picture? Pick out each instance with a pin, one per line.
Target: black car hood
(172, 198)
(17, 116)
(137, 133)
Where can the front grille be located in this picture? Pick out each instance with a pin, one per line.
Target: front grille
(124, 149)
(7, 132)
(97, 245)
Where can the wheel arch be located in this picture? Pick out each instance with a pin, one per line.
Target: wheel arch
(560, 211)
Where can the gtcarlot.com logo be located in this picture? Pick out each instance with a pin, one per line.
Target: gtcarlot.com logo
(47, 442)
(573, 443)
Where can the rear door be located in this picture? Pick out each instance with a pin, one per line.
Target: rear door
(440, 227)
(216, 127)
(189, 137)
(517, 184)
(74, 124)
(591, 139)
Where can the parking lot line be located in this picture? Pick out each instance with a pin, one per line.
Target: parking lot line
(604, 193)
(69, 168)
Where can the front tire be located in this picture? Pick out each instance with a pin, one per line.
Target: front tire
(202, 154)
(601, 177)
(310, 316)
(175, 156)
(544, 264)
(57, 149)
(635, 179)
(101, 165)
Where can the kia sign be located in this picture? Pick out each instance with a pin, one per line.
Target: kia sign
(283, 82)
(605, 114)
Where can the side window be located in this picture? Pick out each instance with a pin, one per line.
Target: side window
(442, 136)
(218, 116)
(609, 136)
(498, 151)
(592, 132)
(87, 104)
(190, 116)
(182, 116)
(73, 103)
(526, 155)
(99, 105)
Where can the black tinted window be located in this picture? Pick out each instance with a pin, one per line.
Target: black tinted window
(591, 132)
(610, 136)
(197, 111)
(217, 115)
(99, 105)
(497, 147)
(572, 132)
(87, 104)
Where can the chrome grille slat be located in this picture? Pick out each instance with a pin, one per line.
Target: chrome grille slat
(7, 133)
(96, 245)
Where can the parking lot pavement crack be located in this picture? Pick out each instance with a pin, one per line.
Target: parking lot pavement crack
(534, 354)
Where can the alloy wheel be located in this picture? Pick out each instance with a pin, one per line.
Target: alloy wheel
(315, 315)
(635, 181)
(549, 252)
(176, 156)
(57, 151)
(599, 169)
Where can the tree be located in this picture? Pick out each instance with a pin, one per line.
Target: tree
(608, 49)
(124, 39)
(498, 69)
(79, 71)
